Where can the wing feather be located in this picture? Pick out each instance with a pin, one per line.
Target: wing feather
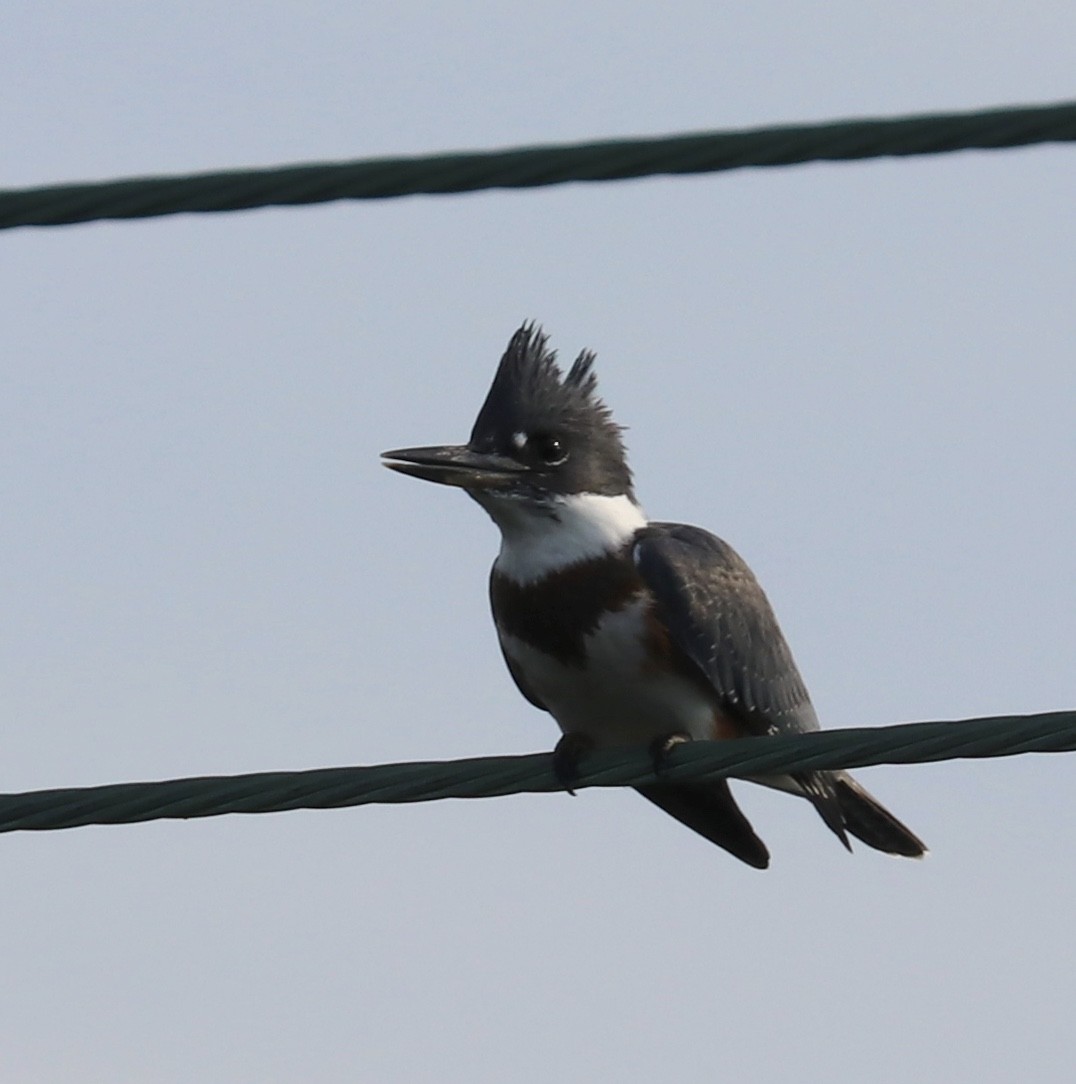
(717, 614)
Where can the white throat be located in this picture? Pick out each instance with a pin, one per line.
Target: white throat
(538, 540)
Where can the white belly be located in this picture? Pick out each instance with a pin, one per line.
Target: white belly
(616, 698)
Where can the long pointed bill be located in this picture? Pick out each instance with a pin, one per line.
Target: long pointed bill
(454, 465)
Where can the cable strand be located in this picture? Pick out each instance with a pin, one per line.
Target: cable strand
(531, 167)
(487, 777)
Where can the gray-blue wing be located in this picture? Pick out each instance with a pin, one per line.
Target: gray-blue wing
(717, 614)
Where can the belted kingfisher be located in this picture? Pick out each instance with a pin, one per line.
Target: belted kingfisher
(629, 632)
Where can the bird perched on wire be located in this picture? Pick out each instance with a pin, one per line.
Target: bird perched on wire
(629, 632)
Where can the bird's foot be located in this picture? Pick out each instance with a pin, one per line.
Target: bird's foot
(661, 748)
(567, 755)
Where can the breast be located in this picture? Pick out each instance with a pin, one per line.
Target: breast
(611, 686)
(557, 613)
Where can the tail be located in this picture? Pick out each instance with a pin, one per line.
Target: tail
(843, 804)
(850, 809)
(868, 820)
(711, 811)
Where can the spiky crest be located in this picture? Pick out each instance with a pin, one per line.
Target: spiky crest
(531, 399)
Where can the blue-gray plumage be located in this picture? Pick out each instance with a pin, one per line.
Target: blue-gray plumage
(629, 631)
(718, 615)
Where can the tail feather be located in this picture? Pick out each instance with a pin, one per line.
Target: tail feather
(712, 812)
(869, 821)
(820, 790)
(845, 806)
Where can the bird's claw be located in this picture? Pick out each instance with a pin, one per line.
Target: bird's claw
(661, 748)
(567, 755)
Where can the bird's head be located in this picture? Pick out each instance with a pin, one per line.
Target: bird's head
(540, 437)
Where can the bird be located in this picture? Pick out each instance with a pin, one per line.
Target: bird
(629, 632)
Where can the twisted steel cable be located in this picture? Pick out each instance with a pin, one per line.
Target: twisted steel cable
(531, 167)
(487, 777)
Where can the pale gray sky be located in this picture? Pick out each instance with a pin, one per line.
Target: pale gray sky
(861, 375)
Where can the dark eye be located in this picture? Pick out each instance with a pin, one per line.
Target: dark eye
(548, 448)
